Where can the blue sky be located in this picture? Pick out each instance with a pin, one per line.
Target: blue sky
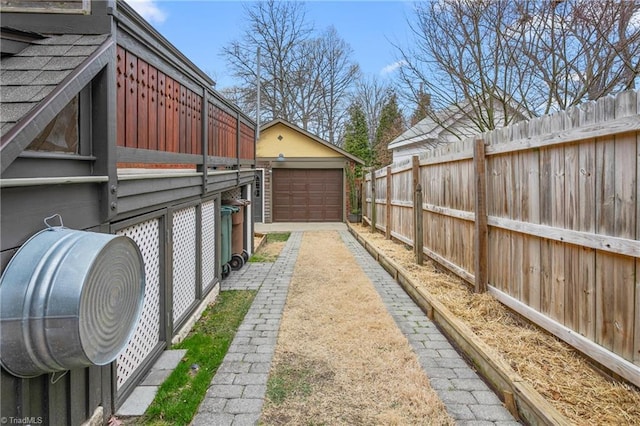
(201, 28)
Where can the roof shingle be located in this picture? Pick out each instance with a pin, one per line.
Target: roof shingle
(29, 76)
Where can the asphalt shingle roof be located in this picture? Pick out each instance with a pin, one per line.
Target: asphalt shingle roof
(27, 77)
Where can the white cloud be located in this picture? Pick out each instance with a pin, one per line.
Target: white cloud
(392, 67)
(149, 10)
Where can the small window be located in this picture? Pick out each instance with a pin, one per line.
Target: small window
(61, 134)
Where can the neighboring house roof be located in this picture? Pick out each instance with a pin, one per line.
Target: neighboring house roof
(446, 126)
(311, 136)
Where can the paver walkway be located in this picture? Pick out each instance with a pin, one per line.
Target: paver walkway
(237, 391)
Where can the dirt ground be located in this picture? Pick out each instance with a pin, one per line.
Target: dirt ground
(340, 358)
(556, 370)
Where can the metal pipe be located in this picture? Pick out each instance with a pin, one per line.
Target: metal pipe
(40, 181)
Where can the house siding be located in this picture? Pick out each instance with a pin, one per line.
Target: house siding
(149, 116)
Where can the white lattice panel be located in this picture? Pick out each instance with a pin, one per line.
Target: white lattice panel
(208, 233)
(184, 261)
(147, 333)
(232, 194)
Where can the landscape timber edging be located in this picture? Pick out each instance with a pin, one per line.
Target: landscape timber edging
(519, 396)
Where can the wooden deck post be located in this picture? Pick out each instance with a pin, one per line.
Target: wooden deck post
(387, 233)
(481, 238)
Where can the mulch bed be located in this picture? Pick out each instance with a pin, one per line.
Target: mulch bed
(557, 371)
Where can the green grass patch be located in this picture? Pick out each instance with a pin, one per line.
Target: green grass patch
(278, 236)
(263, 254)
(179, 396)
(262, 258)
(286, 382)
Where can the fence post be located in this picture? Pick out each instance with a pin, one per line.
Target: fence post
(481, 238)
(417, 220)
(363, 198)
(373, 201)
(387, 234)
(417, 209)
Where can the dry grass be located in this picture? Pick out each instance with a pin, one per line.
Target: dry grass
(556, 370)
(340, 359)
(269, 247)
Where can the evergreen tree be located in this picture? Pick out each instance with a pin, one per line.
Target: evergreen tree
(422, 108)
(356, 141)
(390, 127)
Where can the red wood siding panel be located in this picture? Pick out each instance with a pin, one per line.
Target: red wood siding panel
(247, 142)
(175, 130)
(153, 108)
(187, 122)
(162, 119)
(131, 107)
(143, 104)
(228, 135)
(170, 141)
(182, 117)
(158, 113)
(197, 123)
(210, 130)
(121, 93)
(192, 123)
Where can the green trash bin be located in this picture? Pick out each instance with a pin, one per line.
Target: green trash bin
(225, 227)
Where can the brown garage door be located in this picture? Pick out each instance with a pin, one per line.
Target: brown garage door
(307, 195)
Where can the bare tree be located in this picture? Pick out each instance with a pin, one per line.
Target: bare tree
(304, 78)
(371, 94)
(338, 74)
(278, 29)
(579, 50)
(496, 61)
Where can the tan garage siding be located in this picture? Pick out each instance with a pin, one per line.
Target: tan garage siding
(307, 195)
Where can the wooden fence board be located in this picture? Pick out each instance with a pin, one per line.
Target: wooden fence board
(531, 213)
(636, 344)
(563, 231)
(559, 279)
(605, 212)
(625, 224)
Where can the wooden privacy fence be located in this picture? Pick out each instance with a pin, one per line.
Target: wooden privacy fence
(544, 214)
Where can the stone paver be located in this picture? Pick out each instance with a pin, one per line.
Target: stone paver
(457, 385)
(237, 391)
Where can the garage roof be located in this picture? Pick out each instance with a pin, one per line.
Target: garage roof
(311, 136)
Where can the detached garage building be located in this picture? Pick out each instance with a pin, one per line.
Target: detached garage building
(300, 177)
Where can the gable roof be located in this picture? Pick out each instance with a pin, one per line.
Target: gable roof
(311, 136)
(38, 81)
(432, 132)
(428, 131)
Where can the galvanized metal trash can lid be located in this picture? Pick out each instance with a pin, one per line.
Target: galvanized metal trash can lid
(69, 299)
